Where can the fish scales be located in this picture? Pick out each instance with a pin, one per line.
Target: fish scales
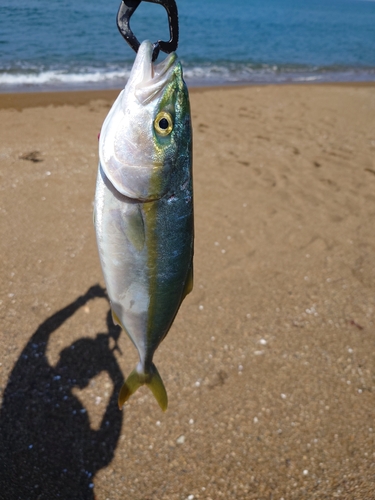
(143, 212)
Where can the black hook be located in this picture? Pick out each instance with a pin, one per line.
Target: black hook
(127, 9)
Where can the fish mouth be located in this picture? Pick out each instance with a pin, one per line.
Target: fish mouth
(148, 79)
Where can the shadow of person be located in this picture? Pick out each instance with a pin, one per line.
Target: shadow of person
(47, 448)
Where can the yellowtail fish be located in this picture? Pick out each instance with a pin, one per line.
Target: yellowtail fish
(143, 212)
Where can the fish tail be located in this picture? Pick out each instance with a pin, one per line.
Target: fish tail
(152, 379)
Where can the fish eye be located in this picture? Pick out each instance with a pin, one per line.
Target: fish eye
(163, 123)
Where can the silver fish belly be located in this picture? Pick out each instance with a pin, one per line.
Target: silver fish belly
(143, 212)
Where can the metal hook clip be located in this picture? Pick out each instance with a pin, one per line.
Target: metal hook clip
(126, 10)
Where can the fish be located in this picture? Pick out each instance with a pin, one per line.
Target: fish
(143, 210)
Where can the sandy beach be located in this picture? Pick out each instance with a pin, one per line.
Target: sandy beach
(270, 363)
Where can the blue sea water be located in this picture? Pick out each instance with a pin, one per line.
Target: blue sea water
(73, 44)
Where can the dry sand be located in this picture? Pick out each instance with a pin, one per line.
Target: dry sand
(270, 364)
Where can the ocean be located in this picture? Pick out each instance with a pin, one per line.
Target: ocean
(75, 44)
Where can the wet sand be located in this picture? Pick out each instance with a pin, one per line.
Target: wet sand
(270, 364)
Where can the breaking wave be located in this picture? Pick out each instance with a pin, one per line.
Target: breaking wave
(221, 73)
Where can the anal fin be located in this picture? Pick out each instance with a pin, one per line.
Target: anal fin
(115, 319)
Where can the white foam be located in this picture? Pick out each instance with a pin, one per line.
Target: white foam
(62, 77)
(116, 75)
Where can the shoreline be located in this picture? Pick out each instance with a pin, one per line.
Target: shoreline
(23, 100)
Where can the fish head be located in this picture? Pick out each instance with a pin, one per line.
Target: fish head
(148, 128)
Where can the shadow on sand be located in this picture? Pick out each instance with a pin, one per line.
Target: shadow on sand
(47, 448)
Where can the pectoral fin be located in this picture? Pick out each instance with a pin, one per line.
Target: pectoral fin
(135, 228)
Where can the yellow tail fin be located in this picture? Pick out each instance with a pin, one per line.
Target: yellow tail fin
(152, 379)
